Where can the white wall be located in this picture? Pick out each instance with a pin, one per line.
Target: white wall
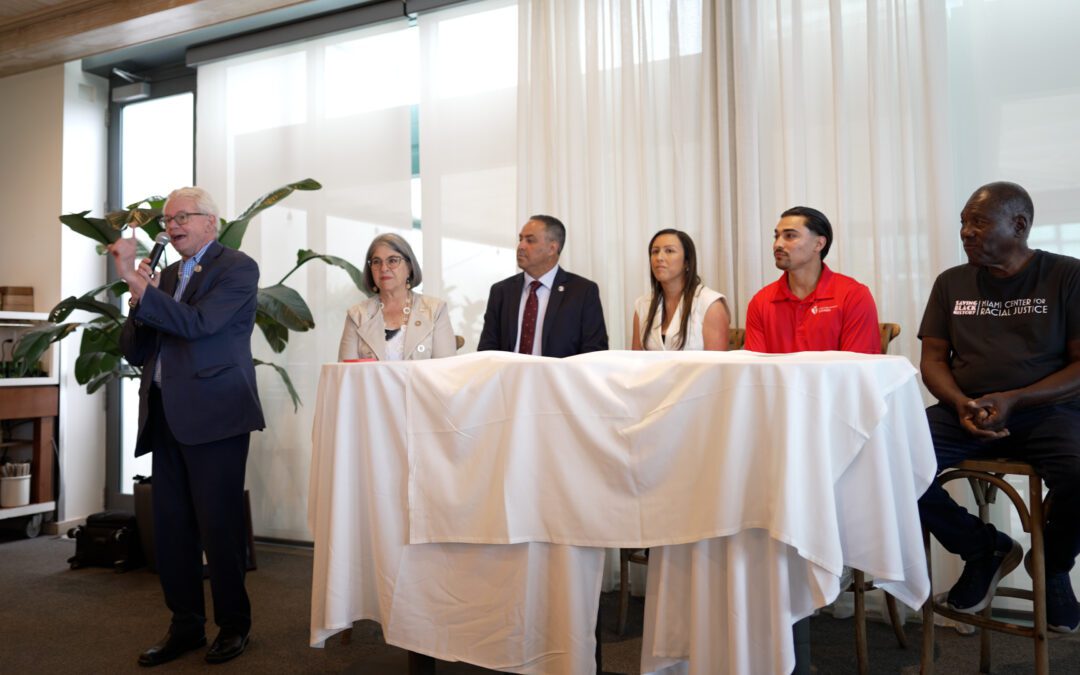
(83, 186)
(53, 135)
(30, 124)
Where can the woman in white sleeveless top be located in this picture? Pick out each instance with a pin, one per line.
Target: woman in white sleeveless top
(680, 313)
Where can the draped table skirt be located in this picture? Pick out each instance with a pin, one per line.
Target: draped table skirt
(465, 503)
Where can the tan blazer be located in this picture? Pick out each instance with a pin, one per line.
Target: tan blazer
(428, 335)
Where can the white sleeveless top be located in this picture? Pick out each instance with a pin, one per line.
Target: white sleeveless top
(704, 297)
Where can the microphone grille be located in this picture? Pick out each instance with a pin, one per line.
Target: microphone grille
(162, 239)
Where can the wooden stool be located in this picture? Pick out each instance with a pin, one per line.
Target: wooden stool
(859, 586)
(987, 478)
(627, 556)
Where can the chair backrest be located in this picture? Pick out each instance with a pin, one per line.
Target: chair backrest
(459, 341)
(889, 331)
(735, 338)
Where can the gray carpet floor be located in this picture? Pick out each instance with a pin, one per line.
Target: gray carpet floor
(94, 620)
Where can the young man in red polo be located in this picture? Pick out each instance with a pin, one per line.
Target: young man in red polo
(810, 307)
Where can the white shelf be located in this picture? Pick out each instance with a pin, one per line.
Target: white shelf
(29, 381)
(23, 318)
(10, 323)
(28, 510)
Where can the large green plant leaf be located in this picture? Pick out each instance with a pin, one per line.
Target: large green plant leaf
(99, 353)
(276, 334)
(304, 256)
(141, 214)
(115, 288)
(65, 307)
(140, 249)
(156, 202)
(232, 232)
(91, 366)
(100, 380)
(288, 382)
(33, 343)
(101, 336)
(97, 229)
(286, 306)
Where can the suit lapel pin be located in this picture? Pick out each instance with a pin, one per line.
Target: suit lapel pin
(561, 289)
(198, 268)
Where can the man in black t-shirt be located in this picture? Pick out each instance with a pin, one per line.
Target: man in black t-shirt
(1001, 352)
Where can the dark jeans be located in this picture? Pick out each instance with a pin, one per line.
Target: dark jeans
(198, 494)
(1048, 437)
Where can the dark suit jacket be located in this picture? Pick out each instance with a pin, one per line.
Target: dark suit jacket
(208, 385)
(573, 322)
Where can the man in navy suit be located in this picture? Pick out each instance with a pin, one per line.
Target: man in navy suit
(545, 310)
(189, 329)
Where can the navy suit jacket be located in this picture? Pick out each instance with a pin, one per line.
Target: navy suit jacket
(573, 322)
(208, 388)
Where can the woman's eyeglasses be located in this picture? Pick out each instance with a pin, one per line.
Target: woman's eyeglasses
(391, 263)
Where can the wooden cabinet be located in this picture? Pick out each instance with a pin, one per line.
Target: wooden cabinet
(40, 404)
(36, 400)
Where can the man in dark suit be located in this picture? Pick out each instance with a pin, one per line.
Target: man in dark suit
(190, 330)
(545, 310)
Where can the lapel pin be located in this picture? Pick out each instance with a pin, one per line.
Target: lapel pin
(198, 268)
(561, 289)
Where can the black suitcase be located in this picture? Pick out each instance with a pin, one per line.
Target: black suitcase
(109, 539)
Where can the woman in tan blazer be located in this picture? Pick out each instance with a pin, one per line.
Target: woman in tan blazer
(396, 323)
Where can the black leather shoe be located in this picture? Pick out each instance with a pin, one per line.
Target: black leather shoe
(170, 647)
(228, 645)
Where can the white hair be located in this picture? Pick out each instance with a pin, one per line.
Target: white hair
(203, 201)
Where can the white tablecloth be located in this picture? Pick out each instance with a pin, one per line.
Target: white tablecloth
(464, 503)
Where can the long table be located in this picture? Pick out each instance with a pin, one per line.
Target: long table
(466, 503)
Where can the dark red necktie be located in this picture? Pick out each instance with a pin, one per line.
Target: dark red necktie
(528, 320)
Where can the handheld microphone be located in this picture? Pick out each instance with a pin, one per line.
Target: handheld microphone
(159, 248)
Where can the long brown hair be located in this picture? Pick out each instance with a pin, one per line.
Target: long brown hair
(690, 277)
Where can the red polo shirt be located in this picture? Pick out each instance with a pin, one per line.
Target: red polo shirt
(840, 315)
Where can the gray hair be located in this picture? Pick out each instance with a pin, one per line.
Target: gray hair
(398, 243)
(203, 201)
(553, 229)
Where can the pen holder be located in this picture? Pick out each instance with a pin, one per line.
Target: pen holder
(14, 491)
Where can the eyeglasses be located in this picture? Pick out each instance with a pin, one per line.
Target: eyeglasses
(390, 263)
(181, 218)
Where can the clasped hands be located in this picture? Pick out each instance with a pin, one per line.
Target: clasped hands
(985, 417)
(123, 252)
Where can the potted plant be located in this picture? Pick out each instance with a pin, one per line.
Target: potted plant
(280, 308)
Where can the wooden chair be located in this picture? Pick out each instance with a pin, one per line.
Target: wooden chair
(987, 478)
(736, 338)
(888, 331)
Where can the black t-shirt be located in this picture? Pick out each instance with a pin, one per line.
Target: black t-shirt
(1006, 333)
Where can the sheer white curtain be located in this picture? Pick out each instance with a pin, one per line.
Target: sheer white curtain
(617, 128)
(335, 110)
(715, 117)
(468, 166)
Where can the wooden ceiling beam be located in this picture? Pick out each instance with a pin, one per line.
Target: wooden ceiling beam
(81, 28)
